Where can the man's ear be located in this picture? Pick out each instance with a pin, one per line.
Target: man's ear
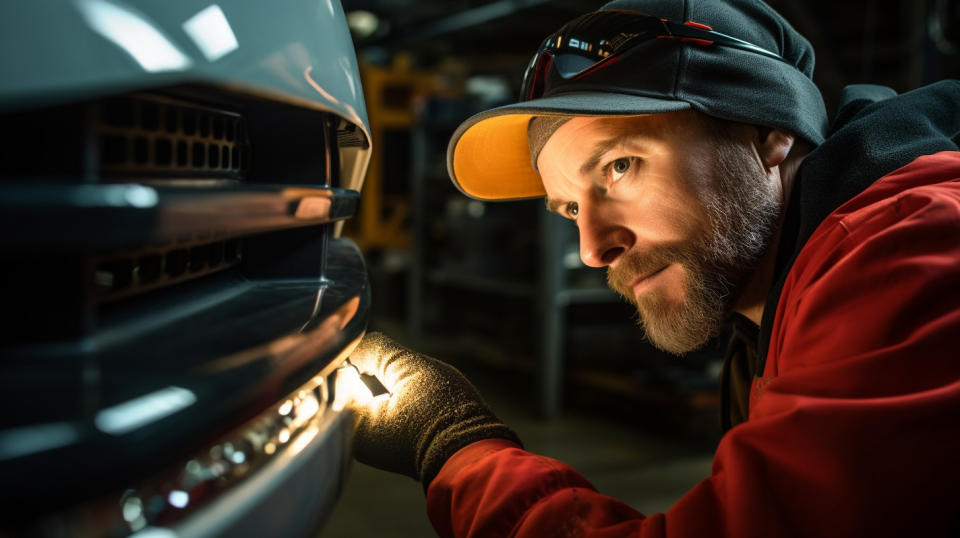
(773, 146)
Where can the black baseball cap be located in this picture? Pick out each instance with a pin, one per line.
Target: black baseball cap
(488, 156)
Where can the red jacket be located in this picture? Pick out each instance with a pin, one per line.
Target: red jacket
(853, 428)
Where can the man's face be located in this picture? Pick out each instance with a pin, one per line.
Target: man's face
(679, 215)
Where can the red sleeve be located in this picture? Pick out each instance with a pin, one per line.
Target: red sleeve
(854, 429)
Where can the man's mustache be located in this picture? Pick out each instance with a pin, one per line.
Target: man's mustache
(640, 264)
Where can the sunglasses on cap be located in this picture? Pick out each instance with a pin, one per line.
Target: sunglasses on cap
(596, 40)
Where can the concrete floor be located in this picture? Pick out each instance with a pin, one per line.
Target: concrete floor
(646, 471)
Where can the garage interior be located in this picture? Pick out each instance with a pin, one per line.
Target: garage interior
(498, 289)
(180, 306)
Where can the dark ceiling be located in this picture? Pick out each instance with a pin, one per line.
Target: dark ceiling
(902, 44)
(475, 31)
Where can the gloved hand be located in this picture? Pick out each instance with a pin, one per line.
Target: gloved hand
(433, 411)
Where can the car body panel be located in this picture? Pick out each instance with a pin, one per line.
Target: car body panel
(178, 298)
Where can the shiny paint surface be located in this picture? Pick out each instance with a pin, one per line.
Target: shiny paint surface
(111, 392)
(115, 215)
(272, 474)
(229, 346)
(298, 51)
(297, 489)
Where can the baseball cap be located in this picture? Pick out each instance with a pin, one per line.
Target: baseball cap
(488, 157)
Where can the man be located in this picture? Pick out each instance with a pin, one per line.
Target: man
(693, 152)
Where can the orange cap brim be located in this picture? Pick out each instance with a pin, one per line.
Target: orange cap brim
(491, 160)
(488, 157)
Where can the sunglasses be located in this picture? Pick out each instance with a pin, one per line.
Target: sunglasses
(597, 40)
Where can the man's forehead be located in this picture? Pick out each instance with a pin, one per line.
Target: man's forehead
(646, 124)
(593, 132)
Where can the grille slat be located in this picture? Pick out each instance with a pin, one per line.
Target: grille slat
(120, 275)
(146, 136)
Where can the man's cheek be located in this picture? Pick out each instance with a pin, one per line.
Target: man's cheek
(674, 286)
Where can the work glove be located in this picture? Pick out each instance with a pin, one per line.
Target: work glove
(432, 411)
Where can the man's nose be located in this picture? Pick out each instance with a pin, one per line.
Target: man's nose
(603, 239)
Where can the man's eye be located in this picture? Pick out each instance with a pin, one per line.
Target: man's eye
(619, 167)
(572, 209)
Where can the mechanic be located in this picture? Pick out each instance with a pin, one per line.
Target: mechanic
(693, 152)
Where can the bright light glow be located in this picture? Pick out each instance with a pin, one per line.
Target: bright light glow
(132, 509)
(140, 196)
(362, 23)
(304, 439)
(133, 513)
(138, 523)
(17, 442)
(238, 457)
(269, 448)
(306, 410)
(286, 408)
(211, 32)
(136, 35)
(119, 196)
(178, 498)
(283, 436)
(350, 388)
(133, 414)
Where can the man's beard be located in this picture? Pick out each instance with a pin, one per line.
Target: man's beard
(742, 213)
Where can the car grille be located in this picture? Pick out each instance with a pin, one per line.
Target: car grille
(148, 136)
(152, 258)
(123, 274)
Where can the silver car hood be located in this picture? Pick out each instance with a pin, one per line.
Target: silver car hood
(295, 51)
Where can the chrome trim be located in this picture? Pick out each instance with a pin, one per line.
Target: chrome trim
(109, 216)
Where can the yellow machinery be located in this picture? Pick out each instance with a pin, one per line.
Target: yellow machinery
(392, 94)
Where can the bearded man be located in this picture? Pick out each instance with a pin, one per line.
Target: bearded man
(689, 145)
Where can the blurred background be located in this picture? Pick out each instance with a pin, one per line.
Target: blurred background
(499, 289)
